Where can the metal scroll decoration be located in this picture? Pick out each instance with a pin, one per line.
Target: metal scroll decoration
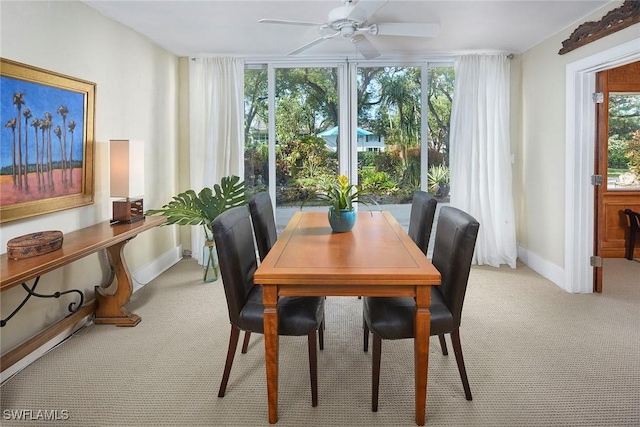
(73, 306)
(616, 20)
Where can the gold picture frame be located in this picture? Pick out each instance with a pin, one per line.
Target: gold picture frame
(47, 141)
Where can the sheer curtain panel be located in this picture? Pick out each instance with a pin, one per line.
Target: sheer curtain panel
(480, 155)
(216, 120)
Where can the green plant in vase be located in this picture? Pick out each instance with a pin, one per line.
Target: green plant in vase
(341, 197)
(189, 208)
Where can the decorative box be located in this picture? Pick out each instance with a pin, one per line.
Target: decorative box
(34, 244)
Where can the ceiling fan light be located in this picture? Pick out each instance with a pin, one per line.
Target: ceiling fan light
(347, 31)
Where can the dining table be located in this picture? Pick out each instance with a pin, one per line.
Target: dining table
(377, 258)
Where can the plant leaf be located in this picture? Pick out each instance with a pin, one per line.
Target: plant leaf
(187, 208)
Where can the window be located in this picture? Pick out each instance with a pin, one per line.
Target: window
(623, 172)
(364, 121)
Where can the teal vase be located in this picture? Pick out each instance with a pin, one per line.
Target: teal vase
(342, 221)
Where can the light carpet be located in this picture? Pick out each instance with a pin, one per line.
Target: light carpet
(535, 356)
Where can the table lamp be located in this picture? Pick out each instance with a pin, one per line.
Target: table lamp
(127, 179)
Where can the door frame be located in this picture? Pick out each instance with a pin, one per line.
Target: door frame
(580, 161)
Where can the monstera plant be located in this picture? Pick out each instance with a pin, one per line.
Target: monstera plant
(189, 208)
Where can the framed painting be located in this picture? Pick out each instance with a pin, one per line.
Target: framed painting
(47, 142)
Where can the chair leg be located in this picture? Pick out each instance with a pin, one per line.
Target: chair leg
(321, 335)
(631, 243)
(443, 345)
(457, 349)
(245, 343)
(375, 372)
(365, 328)
(231, 352)
(313, 367)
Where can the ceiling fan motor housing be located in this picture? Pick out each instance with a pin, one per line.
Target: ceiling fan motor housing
(346, 15)
(350, 22)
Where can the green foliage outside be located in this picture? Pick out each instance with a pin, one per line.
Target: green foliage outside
(617, 153)
(624, 134)
(389, 104)
(633, 153)
(438, 178)
(373, 182)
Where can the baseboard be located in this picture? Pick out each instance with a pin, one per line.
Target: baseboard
(543, 267)
(46, 341)
(37, 346)
(155, 268)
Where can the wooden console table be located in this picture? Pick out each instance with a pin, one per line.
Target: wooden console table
(109, 302)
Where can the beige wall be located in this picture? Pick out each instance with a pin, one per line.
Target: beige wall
(136, 98)
(184, 179)
(539, 175)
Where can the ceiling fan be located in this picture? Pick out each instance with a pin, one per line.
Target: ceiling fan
(351, 21)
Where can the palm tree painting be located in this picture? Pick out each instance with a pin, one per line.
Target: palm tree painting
(44, 141)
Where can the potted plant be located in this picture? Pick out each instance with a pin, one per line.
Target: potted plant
(341, 196)
(438, 178)
(189, 208)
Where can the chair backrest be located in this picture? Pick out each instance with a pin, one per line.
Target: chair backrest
(634, 218)
(423, 211)
(456, 235)
(236, 256)
(264, 223)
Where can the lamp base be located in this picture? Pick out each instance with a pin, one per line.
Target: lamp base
(127, 211)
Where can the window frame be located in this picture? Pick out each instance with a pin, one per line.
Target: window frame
(347, 91)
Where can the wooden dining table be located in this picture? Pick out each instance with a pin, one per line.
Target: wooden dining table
(376, 258)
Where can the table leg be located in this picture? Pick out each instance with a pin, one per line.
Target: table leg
(270, 301)
(421, 350)
(110, 301)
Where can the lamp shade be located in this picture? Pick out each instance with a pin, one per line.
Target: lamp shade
(126, 168)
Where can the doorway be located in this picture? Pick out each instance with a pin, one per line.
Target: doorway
(617, 161)
(580, 161)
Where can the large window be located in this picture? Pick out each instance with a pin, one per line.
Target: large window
(256, 132)
(307, 110)
(386, 126)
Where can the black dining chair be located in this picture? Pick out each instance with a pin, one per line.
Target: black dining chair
(264, 229)
(634, 230)
(393, 318)
(423, 212)
(264, 223)
(297, 316)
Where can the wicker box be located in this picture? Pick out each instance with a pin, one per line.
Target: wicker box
(34, 244)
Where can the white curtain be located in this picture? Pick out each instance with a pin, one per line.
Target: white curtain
(216, 114)
(480, 155)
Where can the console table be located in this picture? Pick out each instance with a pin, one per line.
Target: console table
(109, 302)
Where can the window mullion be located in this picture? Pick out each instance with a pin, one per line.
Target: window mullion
(424, 127)
(271, 95)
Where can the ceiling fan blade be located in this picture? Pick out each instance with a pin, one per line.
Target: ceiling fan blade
(286, 22)
(368, 8)
(364, 47)
(313, 43)
(406, 30)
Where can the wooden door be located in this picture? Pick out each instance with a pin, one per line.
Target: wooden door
(618, 136)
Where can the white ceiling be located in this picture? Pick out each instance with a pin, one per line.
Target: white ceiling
(215, 27)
